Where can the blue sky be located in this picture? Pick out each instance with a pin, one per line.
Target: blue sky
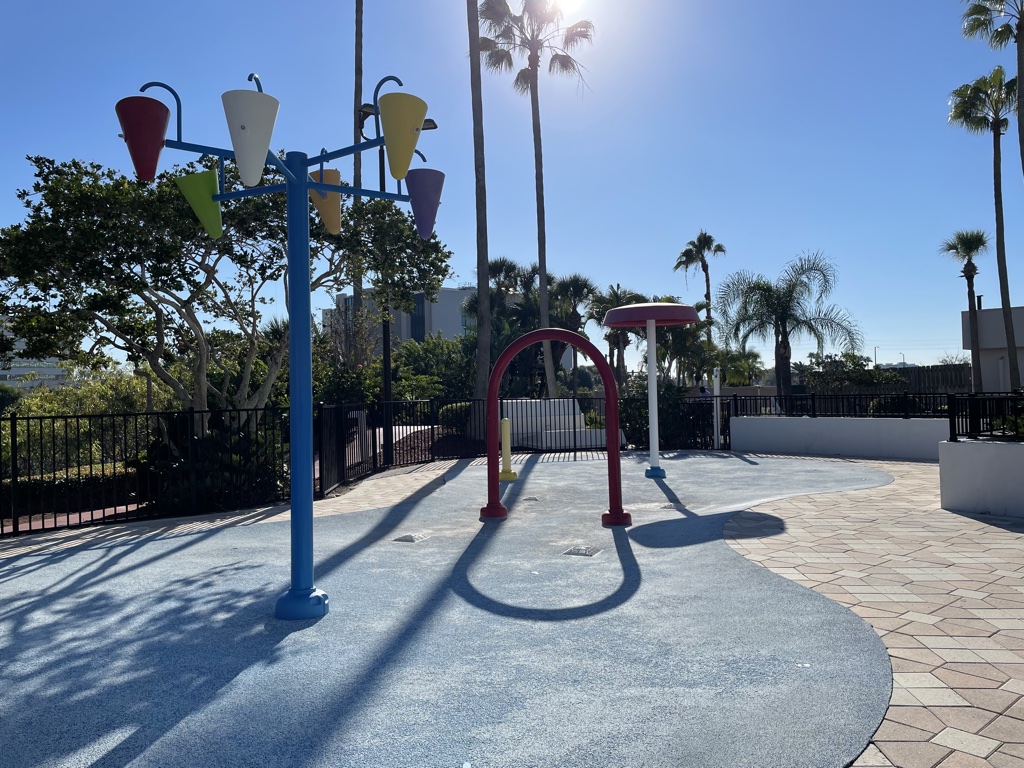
(779, 127)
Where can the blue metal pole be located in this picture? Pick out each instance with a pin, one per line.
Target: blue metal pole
(303, 600)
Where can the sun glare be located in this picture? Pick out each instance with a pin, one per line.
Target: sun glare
(569, 6)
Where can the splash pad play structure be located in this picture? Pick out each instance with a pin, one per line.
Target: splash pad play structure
(251, 116)
(651, 315)
(495, 510)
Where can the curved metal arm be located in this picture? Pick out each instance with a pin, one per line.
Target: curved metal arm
(254, 78)
(177, 100)
(376, 92)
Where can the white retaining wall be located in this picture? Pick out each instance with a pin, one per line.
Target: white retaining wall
(982, 477)
(908, 439)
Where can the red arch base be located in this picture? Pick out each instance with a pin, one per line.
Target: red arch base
(495, 510)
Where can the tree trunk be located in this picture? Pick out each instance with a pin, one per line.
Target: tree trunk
(707, 296)
(483, 303)
(972, 312)
(542, 245)
(1019, 45)
(1004, 280)
(351, 348)
(783, 367)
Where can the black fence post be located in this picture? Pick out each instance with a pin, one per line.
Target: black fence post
(433, 428)
(318, 451)
(14, 474)
(951, 410)
(191, 459)
(375, 443)
(973, 415)
(814, 405)
(906, 404)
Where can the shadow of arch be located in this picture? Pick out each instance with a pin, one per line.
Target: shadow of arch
(463, 587)
(688, 531)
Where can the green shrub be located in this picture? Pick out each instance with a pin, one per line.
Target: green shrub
(455, 417)
(893, 405)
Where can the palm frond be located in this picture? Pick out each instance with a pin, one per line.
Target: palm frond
(575, 34)
(498, 59)
(523, 81)
(494, 14)
(563, 64)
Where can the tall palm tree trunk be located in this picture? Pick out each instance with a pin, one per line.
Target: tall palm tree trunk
(542, 240)
(1019, 31)
(972, 313)
(357, 178)
(1004, 280)
(483, 305)
(783, 370)
(707, 296)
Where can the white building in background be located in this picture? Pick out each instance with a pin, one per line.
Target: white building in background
(995, 369)
(445, 316)
(24, 374)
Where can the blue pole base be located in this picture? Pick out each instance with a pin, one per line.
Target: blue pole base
(298, 604)
(654, 472)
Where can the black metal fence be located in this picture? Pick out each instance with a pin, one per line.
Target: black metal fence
(903, 405)
(991, 416)
(66, 471)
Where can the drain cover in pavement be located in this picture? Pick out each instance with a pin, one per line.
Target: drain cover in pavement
(582, 551)
(413, 537)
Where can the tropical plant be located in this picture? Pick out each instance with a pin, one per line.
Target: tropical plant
(752, 306)
(483, 307)
(985, 106)
(964, 246)
(1001, 22)
(696, 254)
(616, 338)
(534, 32)
(740, 367)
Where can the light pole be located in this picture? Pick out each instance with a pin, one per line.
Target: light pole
(876, 356)
(365, 112)
(904, 358)
(251, 116)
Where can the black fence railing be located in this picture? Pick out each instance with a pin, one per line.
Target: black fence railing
(904, 405)
(66, 471)
(990, 417)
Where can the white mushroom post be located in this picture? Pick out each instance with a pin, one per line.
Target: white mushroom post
(655, 469)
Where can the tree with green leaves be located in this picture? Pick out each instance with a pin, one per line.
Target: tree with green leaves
(125, 266)
(752, 306)
(847, 371)
(533, 33)
(985, 106)
(965, 246)
(694, 255)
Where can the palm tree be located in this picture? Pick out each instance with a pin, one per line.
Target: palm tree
(695, 254)
(532, 33)
(984, 106)
(964, 246)
(1002, 22)
(751, 306)
(483, 308)
(617, 338)
(571, 298)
